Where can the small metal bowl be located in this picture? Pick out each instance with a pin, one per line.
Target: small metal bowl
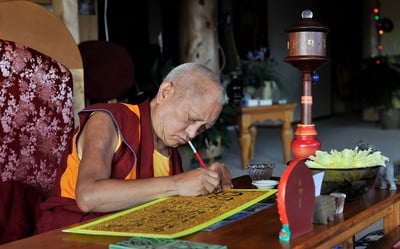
(260, 171)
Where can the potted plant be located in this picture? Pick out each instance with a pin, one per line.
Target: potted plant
(260, 76)
(213, 141)
(378, 87)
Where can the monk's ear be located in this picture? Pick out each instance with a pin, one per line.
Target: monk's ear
(165, 90)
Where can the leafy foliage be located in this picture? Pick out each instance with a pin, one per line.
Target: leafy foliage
(259, 68)
(219, 132)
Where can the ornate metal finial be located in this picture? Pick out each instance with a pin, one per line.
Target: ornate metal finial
(306, 14)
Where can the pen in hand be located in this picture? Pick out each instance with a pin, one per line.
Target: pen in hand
(203, 165)
(197, 155)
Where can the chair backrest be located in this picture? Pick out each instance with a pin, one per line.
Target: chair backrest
(41, 87)
(108, 70)
(36, 115)
(36, 27)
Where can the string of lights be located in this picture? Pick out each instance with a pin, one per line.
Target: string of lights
(378, 24)
(382, 25)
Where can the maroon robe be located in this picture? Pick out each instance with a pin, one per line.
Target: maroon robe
(59, 211)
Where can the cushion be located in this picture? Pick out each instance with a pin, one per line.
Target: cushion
(108, 70)
(36, 115)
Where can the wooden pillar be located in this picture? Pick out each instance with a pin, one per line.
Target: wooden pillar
(198, 36)
(67, 11)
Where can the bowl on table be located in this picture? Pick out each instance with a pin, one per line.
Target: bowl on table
(260, 175)
(260, 171)
(354, 182)
(265, 184)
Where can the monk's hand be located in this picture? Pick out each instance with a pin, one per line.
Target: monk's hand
(223, 173)
(198, 182)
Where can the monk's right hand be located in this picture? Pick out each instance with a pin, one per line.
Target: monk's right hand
(197, 182)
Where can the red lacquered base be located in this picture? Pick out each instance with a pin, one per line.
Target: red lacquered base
(305, 142)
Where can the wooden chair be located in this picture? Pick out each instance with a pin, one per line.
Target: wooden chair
(41, 88)
(46, 38)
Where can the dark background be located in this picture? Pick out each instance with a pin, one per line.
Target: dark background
(128, 25)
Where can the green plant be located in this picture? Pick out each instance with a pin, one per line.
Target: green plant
(219, 132)
(258, 68)
(264, 71)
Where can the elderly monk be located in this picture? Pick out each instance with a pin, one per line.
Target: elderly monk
(123, 155)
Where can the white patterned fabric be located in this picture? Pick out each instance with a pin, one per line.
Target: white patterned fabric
(36, 115)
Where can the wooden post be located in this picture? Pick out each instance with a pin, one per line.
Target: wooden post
(67, 11)
(198, 36)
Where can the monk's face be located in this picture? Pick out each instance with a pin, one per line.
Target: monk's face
(177, 120)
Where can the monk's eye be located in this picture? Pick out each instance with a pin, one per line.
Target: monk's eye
(190, 121)
(201, 129)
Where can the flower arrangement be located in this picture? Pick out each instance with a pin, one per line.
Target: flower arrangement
(350, 171)
(259, 67)
(347, 158)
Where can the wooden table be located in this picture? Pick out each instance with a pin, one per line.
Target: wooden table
(259, 230)
(250, 115)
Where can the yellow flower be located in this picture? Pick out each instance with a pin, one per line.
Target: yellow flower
(347, 158)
